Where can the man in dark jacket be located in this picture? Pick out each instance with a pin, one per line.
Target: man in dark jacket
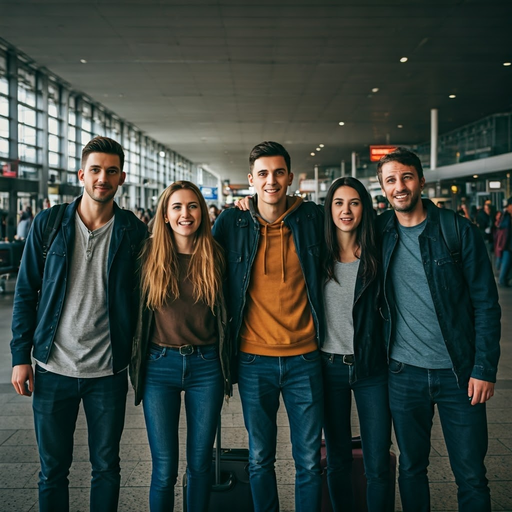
(274, 299)
(442, 330)
(73, 313)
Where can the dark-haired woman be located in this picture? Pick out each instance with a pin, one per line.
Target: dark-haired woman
(180, 344)
(354, 358)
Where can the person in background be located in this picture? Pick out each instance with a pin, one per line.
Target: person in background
(505, 230)
(353, 353)
(213, 212)
(180, 344)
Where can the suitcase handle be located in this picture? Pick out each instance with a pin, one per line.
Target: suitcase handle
(227, 485)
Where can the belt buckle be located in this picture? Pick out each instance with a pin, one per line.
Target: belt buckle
(348, 360)
(186, 350)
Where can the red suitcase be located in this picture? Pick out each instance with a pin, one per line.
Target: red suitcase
(358, 479)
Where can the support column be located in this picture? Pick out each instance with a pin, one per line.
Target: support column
(354, 170)
(434, 130)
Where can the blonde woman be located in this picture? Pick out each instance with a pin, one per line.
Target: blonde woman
(180, 345)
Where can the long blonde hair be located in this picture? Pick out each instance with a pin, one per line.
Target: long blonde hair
(160, 266)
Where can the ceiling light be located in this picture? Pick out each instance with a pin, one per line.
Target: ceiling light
(475, 176)
(319, 149)
(341, 123)
(399, 125)
(162, 153)
(404, 59)
(321, 145)
(507, 63)
(375, 89)
(83, 61)
(452, 96)
(312, 154)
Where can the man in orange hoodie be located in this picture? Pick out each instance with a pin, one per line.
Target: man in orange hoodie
(273, 254)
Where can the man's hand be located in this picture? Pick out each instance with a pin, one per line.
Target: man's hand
(21, 374)
(479, 391)
(242, 204)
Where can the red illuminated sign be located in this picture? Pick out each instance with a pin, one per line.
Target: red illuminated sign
(377, 152)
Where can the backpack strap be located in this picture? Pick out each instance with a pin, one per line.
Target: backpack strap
(52, 226)
(450, 233)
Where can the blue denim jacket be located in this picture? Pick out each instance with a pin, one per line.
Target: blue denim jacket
(465, 296)
(39, 296)
(238, 233)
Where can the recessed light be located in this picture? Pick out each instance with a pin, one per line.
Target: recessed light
(319, 149)
(475, 176)
(399, 125)
(321, 145)
(162, 153)
(404, 59)
(312, 154)
(375, 89)
(83, 61)
(507, 63)
(341, 123)
(452, 96)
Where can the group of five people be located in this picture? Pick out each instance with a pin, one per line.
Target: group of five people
(321, 302)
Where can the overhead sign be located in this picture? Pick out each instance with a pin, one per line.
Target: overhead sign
(210, 193)
(10, 170)
(377, 152)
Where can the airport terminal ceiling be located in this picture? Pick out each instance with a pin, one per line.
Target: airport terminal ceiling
(212, 78)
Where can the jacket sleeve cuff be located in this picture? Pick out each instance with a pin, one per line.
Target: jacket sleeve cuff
(21, 358)
(481, 373)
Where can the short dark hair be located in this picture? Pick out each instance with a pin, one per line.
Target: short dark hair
(269, 148)
(103, 145)
(402, 156)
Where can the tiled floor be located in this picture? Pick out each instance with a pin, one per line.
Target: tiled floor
(19, 461)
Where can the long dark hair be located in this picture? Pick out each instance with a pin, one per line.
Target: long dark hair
(365, 234)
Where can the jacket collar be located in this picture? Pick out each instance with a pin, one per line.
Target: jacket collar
(120, 221)
(432, 218)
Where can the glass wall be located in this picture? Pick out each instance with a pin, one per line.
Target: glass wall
(44, 125)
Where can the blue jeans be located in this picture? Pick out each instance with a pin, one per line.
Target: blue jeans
(199, 375)
(371, 395)
(261, 380)
(413, 392)
(56, 402)
(506, 262)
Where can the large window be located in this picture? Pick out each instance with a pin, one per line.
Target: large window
(4, 107)
(28, 149)
(60, 130)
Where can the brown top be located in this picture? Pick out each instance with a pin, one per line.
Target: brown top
(183, 321)
(277, 319)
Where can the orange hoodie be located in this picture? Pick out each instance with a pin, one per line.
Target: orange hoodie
(277, 319)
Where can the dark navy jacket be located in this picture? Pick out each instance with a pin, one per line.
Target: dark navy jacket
(238, 233)
(464, 295)
(39, 297)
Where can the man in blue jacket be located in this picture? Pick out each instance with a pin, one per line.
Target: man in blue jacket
(442, 330)
(73, 314)
(274, 298)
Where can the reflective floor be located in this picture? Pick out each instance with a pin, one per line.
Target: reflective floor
(19, 460)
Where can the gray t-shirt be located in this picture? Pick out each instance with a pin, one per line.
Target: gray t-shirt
(338, 303)
(82, 342)
(417, 338)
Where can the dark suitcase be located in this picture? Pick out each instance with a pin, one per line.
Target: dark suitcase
(358, 479)
(231, 491)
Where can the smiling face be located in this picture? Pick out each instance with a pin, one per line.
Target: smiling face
(183, 214)
(346, 209)
(402, 187)
(101, 176)
(271, 178)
